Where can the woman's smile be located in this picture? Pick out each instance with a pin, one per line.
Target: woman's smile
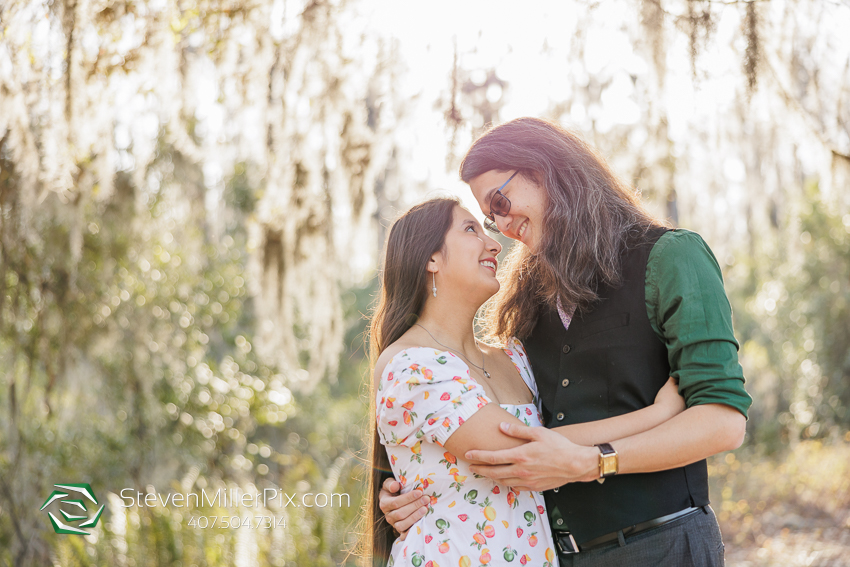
(489, 263)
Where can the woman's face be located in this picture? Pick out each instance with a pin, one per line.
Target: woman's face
(469, 262)
(524, 221)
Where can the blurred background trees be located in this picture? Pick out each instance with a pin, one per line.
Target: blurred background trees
(193, 197)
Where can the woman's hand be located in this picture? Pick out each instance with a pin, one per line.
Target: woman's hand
(402, 511)
(669, 399)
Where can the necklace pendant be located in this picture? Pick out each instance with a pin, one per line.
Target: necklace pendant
(486, 374)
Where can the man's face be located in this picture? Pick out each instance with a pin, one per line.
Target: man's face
(524, 219)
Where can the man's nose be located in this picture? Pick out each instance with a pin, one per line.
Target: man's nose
(504, 223)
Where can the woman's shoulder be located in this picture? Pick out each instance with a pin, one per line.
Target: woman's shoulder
(401, 356)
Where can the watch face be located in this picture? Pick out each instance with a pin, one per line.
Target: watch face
(609, 464)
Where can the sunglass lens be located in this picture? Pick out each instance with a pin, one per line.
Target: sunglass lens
(491, 226)
(500, 205)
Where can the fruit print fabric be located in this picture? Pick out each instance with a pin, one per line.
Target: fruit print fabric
(424, 395)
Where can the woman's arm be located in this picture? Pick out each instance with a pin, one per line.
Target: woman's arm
(668, 404)
(482, 431)
(419, 403)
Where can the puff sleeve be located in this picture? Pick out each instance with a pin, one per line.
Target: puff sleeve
(425, 394)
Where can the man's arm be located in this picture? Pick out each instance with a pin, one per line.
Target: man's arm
(696, 434)
(549, 460)
(403, 511)
(688, 309)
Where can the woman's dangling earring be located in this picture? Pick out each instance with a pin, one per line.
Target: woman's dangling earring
(434, 289)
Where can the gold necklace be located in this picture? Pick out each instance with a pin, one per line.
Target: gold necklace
(483, 356)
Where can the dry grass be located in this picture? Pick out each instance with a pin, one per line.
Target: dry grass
(784, 510)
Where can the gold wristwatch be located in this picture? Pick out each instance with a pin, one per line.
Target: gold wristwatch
(608, 462)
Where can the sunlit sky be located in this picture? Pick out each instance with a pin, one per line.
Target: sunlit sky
(533, 46)
(506, 36)
(545, 51)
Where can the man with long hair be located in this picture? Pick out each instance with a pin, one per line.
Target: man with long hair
(609, 302)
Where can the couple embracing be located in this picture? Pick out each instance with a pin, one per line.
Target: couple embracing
(578, 433)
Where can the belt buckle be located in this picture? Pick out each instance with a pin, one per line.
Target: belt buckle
(566, 543)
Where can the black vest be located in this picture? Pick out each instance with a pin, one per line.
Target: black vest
(609, 362)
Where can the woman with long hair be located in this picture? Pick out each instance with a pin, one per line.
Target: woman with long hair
(438, 392)
(608, 302)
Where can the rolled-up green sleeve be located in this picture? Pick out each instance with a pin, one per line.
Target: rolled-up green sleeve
(689, 311)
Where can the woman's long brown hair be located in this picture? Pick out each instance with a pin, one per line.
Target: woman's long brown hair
(413, 238)
(590, 218)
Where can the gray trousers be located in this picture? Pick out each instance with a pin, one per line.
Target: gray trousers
(692, 541)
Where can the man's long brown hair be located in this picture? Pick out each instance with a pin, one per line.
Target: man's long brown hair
(413, 238)
(590, 218)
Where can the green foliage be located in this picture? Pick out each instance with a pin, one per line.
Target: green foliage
(792, 307)
(133, 366)
(239, 194)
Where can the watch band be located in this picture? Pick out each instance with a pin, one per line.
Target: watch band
(608, 462)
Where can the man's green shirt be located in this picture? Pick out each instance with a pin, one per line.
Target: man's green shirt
(689, 311)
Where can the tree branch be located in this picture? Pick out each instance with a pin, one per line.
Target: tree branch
(710, 2)
(838, 155)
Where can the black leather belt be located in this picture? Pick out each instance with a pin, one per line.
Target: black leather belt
(567, 543)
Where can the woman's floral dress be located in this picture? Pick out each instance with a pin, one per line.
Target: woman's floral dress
(424, 395)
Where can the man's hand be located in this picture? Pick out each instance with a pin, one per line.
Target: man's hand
(402, 511)
(548, 460)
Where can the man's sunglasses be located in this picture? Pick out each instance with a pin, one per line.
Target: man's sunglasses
(499, 205)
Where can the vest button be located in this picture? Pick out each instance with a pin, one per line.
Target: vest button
(566, 349)
(559, 521)
(565, 382)
(560, 416)
(556, 489)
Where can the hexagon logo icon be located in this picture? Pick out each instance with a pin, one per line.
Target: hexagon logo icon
(73, 496)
